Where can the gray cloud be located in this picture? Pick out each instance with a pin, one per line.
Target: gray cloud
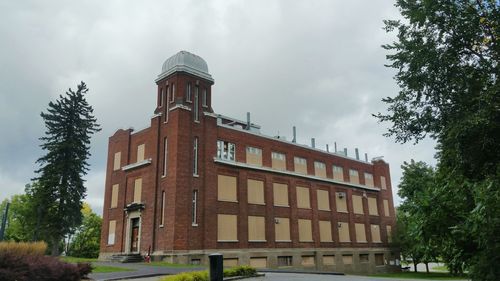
(314, 64)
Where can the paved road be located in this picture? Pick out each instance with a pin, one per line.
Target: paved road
(140, 270)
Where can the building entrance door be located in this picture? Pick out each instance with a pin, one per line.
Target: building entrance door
(134, 238)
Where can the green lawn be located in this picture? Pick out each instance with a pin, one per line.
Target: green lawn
(440, 267)
(166, 264)
(76, 260)
(421, 275)
(106, 269)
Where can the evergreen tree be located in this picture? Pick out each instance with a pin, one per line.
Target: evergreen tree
(60, 190)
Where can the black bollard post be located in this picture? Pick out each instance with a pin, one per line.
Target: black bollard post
(216, 267)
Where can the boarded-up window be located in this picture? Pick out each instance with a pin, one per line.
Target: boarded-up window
(117, 161)
(320, 169)
(357, 204)
(368, 179)
(256, 228)
(307, 261)
(227, 229)
(323, 200)
(360, 232)
(364, 258)
(230, 262)
(389, 233)
(379, 259)
(137, 190)
(383, 183)
(353, 176)
(338, 173)
(372, 206)
(280, 192)
(303, 200)
(284, 261)
(140, 152)
(375, 229)
(347, 259)
(278, 161)
(300, 165)
(341, 202)
(114, 195)
(329, 260)
(343, 232)
(305, 231)
(255, 192)
(386, 207)
(111, 232)
(226, 188)
(282, 229)
(325, 231)
(254, 156)
(258, 262)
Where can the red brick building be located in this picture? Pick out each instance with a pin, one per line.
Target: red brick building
(195, 182)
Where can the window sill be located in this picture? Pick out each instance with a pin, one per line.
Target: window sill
(285, 206)
(288, 241)
(257, 241)
(306, 241)
(331, 241)
(255, 203)
(228, 241)
(304, 208)
(161, 226)
(163, 176)
(196, 175)
(325, 210)
(194, 224)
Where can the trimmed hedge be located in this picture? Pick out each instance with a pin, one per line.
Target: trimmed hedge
(23, 248)
(41, 268)
(203, 275)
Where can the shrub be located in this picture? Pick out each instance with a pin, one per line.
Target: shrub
(38, 267)
(23, 248)
(84, 268)
(242, 270)
(203, 275)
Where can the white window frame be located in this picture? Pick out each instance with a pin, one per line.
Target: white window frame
(319, 165)
(195, 105)
(188, 92)
(254, 150)
(204, 97)
(300, 160)
(194, 210)
(162, 93)
(172, 97)
(226, 150)
(278, 156)
(195, 156)
(165, 156)
(162, 218)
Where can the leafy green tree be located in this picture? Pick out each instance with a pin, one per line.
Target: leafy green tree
(87, 237)
(20, 220)
(447, 61)
(58, 196)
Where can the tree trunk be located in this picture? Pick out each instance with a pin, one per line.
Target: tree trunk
(415, 265)
(55, 247)
(427, 267)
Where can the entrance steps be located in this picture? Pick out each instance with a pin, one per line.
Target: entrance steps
(123, 258)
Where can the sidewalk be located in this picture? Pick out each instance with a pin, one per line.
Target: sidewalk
(140, 270)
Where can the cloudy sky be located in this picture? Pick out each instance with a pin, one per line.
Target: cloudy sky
(317, 65)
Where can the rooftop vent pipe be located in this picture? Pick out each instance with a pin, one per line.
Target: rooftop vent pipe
(313, 143)
(345, 151)
(248, 120)
(366, 157)
(294, 134)
(335, 146)
(357, 153)
(327, 148)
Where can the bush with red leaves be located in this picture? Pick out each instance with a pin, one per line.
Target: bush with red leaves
(41, 268)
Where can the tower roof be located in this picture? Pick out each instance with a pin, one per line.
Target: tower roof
(186, 62)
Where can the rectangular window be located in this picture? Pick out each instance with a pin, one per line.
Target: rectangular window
(357, 204)
(300, 165)
(364, 258)
(280, 192)
(278, 161)
(165, 155)
(188, 92)
(303, 200)
(162, 93)
(114, 195)
(226, 188)
(195, 157)
(260, 262)
(195, 105)
(204, 98)
(329, 260)
(383, 183)
(172, 96)
(140, 152)
(284, 261)
(319, 169)
(375, 230)
(255, 190)
(162, 218)
(230, 262)
(323, 200)
(226, 150)
(372, 206)
(305, 231)
(165, 119)
(360, 232)
(325, 231)
(194, 211)
(227, 228)
(344, 235)
(254, 156)
(338, 173)
(308, 261)
(388, 228)
(282, 229)
(111, 232)
(353, 176)
(386, 207)
(137, 190)
(256, 229)
(341, 202)
(347, 259)
(379, 259)
(368, 179)
(117, 161)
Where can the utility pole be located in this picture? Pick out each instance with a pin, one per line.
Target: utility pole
(4, 221)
